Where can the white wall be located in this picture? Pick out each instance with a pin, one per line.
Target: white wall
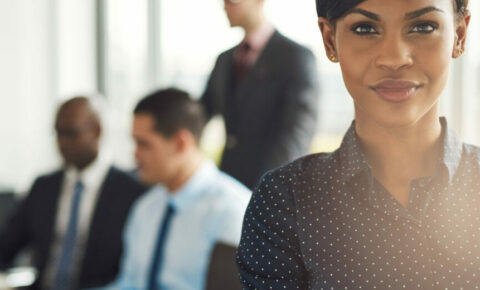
(48, 52)
(39, 51)
(76, 47)
(27, 81)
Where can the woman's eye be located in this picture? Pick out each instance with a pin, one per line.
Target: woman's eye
(364, 29)
(424, 28)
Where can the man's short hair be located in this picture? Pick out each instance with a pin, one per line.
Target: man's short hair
(172, 110)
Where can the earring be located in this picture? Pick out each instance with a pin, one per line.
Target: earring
(460, 52)
(333, 58)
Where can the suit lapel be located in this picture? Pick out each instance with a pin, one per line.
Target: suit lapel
(226, 84)
(258, 73)
(98, 220)
(261, 69)
(226, 87)
(45, 217)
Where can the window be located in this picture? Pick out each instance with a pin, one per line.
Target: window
(194, 33)
(54, 49)
(127, 70)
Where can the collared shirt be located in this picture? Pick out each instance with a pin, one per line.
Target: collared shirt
(257, 40)
(324, 222)
(209, 208)
(92, 178)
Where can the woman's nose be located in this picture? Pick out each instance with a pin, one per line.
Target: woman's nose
(394, 53)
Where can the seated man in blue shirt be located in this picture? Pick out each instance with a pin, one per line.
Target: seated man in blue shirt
(172, 229)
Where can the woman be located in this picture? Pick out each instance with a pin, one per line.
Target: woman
(398, 204)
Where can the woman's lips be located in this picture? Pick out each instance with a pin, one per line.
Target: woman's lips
(395, 91)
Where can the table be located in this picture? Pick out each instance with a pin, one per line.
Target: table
(19, 277)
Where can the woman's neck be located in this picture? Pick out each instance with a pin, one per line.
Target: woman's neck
(399, 155)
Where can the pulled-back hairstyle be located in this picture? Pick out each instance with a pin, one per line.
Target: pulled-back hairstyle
(335, 9)
(173, 110)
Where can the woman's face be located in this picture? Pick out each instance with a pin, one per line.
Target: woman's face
(395, 56)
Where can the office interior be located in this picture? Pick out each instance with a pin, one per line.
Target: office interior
(122, 49)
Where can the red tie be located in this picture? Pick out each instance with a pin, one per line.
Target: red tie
(242, 63)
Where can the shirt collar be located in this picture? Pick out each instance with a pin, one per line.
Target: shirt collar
(452, 150)
(353, 160)
(189, 192)
(90, 174)
(258, 38)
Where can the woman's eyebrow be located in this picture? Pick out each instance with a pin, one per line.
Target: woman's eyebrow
(365, 13)
(420, 12)
(408, 16)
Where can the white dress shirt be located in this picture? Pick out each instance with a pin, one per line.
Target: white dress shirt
(92, 178)
(209, 208)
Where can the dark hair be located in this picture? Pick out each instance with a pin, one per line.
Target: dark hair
(173, 110)
(334, 9)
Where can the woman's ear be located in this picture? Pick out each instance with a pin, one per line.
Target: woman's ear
(461, 34)
(328, 34)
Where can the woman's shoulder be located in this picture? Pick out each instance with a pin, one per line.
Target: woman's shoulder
(470, 156)
(471, 150)
(282, 191)
(302, 170)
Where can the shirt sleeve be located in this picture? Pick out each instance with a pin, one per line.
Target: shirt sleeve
(231, 219)
(269, 254)
(299, 111)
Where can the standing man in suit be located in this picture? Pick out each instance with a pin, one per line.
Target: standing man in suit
(266, 89)
(72, 219)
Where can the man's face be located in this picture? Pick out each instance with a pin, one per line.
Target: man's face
(155, 154)
(77, 135)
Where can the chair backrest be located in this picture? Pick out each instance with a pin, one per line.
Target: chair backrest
(7, 202)
(222, 271)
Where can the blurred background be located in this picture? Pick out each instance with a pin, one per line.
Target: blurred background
(53, 49)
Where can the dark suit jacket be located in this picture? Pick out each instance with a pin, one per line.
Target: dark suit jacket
(271, 115)
(33, 223)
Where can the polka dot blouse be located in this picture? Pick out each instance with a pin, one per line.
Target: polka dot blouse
(324, 222)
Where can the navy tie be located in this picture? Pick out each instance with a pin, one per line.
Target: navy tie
(158, 256)
(63, 274)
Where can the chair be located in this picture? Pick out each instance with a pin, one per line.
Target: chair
(222, 271)
(7, 203)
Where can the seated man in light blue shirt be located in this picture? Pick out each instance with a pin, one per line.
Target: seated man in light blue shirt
(172, 229)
